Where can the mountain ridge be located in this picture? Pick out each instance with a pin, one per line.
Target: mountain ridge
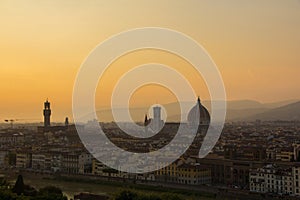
(237, 110)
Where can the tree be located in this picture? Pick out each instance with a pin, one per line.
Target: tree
(19, 186)
(171, 197)
(51, 190)
(126, 195)
(29, 191)
(131, 195)
(50, 193)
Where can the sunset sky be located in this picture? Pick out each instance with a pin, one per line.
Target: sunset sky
(255, 44)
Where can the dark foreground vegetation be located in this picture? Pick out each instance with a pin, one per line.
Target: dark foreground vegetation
(20, 191)
(131, 195)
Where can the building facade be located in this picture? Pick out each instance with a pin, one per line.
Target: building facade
(276, 180)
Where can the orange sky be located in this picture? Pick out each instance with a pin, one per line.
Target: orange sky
(255, 44)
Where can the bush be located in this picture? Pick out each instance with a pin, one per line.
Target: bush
(50, 193)
(26, 192)
(126, 195)
(131, 195)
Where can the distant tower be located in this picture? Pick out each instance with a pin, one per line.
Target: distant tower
(146, 123)
(156, 113)
(157, 122)
(47, 113)
(146, 120)
(67, 121)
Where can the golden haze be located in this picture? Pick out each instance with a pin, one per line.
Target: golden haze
(42, 44)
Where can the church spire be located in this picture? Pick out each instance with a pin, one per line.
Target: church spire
(146, 120)
(198, 100)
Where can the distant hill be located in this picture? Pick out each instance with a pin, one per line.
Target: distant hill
(280, 103)
(239, 110)
(244, 105)
(245, 110)
(287, 112)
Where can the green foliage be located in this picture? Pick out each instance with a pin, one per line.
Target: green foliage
(50, 193)
(51, 190)
(19, 186)
(171, 197)
(131, 195)
(26, 192)
(49, 197)
(9, 195)
(5, 194)
(126, 195)
(3, 184)
(29, 191)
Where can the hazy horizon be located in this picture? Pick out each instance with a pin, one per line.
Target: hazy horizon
(54, 119)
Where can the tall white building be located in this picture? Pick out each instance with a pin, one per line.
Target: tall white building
(296, 176)
(156, 123)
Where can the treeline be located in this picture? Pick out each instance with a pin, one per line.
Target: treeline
(20, 191)
(132, 195)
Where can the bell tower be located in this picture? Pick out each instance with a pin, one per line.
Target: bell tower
(47, 113)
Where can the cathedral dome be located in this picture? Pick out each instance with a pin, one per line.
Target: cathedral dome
(193, 115)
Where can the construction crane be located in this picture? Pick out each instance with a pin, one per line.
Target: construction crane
(12, 121)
